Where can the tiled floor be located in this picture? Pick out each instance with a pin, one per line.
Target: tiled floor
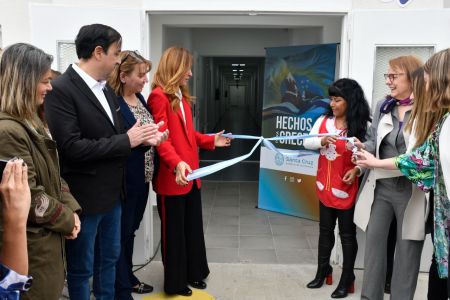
(236, 231)
(256, 254)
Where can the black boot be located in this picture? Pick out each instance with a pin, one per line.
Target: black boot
(324, 271)
(346, 285)
(347, 282)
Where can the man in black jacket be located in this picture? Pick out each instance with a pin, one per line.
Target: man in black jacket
(83, 117)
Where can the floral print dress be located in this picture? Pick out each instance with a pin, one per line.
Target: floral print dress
(422, 167)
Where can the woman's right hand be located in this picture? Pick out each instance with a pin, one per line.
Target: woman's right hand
(180, 173)
(15, 193)
(329, 139)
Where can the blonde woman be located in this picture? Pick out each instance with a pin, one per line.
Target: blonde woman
(428, 165)
(387, 195)
(179, 200)
(127, 80)
(24, 81)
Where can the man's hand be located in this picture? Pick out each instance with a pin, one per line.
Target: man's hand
(158, 137)
(180, 173)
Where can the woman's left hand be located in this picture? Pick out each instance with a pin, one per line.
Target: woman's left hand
(350, 176)
(221, 141)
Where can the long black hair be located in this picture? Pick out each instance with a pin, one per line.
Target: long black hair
(357, 113)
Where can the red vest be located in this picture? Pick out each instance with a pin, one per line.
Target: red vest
(334, 162)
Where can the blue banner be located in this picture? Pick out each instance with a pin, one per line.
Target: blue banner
(295, 95)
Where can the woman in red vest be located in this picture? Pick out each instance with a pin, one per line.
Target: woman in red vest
(336, 182)
(179, 200)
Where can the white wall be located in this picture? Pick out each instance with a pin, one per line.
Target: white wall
(252, 6)
(305, 36)
(44, 33)
(395, 4)
(237, 41)
(368, 30)
(238, 28)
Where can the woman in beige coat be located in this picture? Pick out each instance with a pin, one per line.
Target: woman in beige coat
(387, 194)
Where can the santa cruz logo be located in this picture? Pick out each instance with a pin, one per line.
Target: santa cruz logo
(279, 159)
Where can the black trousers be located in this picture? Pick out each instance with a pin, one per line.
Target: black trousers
(347, 232)
(182, 240)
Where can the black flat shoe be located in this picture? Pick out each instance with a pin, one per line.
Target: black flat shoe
(201, 285)
(186, 292)
(142, 288)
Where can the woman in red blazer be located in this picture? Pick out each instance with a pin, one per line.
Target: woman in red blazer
(179, 200)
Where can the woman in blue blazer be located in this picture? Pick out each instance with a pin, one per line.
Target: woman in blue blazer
(128, 80)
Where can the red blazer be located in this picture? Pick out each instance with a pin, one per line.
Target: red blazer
(182, 144)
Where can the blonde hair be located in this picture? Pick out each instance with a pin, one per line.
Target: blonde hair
(438, 70)
(173, 66)
(21, 69)
(128, 60)
(421, 120)
(407, 63)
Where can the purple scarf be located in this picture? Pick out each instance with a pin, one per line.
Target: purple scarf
(389, 104)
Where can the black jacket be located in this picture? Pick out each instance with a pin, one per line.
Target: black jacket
(93, 150)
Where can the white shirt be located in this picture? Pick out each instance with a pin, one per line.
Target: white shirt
(97, 88)
(444, 153)
(180, 96)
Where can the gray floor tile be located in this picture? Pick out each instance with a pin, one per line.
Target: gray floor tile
(255, 229)
(226, 202)
(221, 241)
(252, 211)
(295, 256)
(222, 229)
(249, 205)
(222, 255)
(226, 211)
(295, 230)
(287, 242)
(223, 220)
(256, 242)
(231, 189)
(313, 241)
(253, 219)
(285, 220)
(258, 256)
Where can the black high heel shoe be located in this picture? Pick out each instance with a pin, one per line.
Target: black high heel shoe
(324, 273)
(346, 286)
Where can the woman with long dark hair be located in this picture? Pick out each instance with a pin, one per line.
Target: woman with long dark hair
(337, 183)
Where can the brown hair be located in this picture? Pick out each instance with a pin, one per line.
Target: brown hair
(174, 64)
(438, 87)
(406, 63)
(21, 69)
(128, 60)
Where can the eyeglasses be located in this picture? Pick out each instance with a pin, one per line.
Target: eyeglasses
(392, 76)
(134, 53)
